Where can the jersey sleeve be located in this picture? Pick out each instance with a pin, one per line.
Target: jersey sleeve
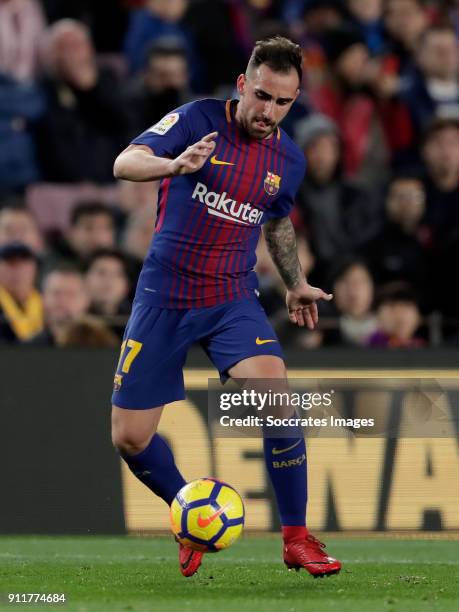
(283, 205)
(172, 134)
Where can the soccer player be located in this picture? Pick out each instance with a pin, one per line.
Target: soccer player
(227, 169)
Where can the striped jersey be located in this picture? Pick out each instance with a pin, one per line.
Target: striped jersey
(208, 223)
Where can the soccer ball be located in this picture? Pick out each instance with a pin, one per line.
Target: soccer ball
(207, 515)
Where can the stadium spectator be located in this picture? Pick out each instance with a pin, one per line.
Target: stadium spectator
(321, 15)
(22, 24)
(91, 227)
(401, 249)
(108, 284)
(158, 18)
(351, 320)
(21, 309)
(366, 16)
(138, 233)
(318, 16)
(346, 99)
(94, 15)
(21, 107)
(88, 331)
(17, 224)
(221, 40)
(163, 85)
(398, 318)
(339, 216)
(65, 300)
(440, 152)
(133, 197)
(86, 122)
(433, 89)
(405, 21)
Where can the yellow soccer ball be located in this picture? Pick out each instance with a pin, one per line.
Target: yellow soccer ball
(207, 515)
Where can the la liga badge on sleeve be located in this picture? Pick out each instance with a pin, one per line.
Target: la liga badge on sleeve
(163, 126)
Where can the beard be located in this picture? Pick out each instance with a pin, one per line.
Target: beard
(260, 128)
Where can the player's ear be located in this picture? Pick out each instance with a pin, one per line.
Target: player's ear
(240, 84)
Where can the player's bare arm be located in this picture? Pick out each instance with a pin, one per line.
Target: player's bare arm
(301, 297)
(139, 163)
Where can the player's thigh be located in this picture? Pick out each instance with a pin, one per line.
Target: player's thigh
(244, 343)
(150, 369)
(132, 430)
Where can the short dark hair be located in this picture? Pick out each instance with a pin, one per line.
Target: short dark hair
(111, 253)
(90, 208)
(63, 267)
(444, 26)
(278, 53)
(438, 124)
(166, 46)
(342, 267)
(395, 292)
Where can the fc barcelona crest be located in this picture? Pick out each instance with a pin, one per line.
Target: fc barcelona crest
(272, 183)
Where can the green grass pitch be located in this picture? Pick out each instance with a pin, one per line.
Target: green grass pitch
(141, 573)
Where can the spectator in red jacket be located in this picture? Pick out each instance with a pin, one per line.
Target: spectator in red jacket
(347, 99)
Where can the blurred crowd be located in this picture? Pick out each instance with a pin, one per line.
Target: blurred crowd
(377, 216)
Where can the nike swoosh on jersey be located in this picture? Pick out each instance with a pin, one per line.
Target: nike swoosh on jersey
(278, 451)
(217, 162)
(260, 341)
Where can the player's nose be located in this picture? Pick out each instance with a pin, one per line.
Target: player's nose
(269, 110)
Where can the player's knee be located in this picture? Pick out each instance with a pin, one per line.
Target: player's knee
(129, 442)
(273, 368)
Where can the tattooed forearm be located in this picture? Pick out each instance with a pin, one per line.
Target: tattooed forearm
(280, 238)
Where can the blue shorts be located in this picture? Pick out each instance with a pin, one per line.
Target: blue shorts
(156, 342)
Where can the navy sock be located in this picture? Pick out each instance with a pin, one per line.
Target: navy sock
(286, 463)
(155, 467)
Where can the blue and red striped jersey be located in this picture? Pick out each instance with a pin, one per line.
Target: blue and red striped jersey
(208, 223)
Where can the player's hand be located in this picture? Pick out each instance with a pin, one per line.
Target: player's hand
(302, 306)
(195, 156)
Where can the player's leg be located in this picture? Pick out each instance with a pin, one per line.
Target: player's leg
(150, 459)
(150, 374)
(244, 346)
(147, 454)
(285, 456)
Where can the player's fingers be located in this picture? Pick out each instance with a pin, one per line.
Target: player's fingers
(308, 318)
(210, 137)
(314, 313)
(292, 316)
(201, 147)
(300, 317)
(324, 296)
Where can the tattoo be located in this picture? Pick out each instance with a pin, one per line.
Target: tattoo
(280, 238)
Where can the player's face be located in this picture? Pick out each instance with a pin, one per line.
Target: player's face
(265, 99)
